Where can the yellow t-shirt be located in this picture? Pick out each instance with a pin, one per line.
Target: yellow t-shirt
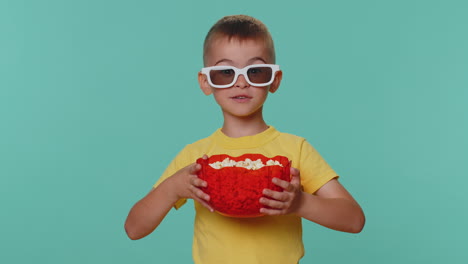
(267, 239)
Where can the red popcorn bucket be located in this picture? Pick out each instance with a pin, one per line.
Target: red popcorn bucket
(235, 191)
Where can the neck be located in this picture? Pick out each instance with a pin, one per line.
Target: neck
(235, 126)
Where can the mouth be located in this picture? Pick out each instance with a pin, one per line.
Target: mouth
(241, 96)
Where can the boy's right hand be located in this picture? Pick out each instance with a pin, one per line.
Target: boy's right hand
(186, 184)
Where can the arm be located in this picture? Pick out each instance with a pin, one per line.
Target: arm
(148, 213)
(331, 206)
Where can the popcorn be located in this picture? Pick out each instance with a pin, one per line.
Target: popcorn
(247, 163)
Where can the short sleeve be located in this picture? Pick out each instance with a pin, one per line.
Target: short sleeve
(314, 170)
(180, 161)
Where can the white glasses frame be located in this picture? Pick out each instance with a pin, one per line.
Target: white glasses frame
(274, 68)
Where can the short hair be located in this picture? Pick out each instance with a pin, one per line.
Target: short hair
(240, 27)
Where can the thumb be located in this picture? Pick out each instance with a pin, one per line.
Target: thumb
(194, 168)
(295, 176)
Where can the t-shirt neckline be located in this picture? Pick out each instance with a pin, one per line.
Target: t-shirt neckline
(253, 141)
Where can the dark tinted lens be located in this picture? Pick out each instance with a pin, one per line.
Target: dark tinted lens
(222, 77)
(259, 74)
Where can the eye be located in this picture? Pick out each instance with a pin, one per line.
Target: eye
(254, 70)
(227, 71)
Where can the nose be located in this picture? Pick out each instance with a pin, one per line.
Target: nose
(241, 82)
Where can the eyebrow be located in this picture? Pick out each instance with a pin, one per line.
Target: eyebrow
(257, 58)
(223, 60)
(249, 61)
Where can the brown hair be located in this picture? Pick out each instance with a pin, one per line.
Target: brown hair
(241, 27)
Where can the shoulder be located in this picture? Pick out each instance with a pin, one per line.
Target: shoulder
(291, 138)
(297, 143)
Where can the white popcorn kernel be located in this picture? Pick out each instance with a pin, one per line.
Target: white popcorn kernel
(216, 165)
(258, 164)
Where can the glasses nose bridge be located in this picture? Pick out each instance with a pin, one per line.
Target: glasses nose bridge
(242, 72)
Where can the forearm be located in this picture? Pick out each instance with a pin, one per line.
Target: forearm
(148, 213)
(340, 214)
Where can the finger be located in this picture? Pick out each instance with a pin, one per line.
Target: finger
(273, 203)
(295, 181)
(294, 172)
(279, 196)
(198, 182)
(295, 177)
(194, 168)
(283, 184)
(268, 211)
(197, 193)
(205, 204)
(205, 156)
(201, 197)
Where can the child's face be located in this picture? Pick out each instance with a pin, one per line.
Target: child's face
(241, 99)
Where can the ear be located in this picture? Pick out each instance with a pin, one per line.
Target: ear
(203, 82)
(276, 82)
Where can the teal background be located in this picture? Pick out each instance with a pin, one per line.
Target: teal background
(96, 98)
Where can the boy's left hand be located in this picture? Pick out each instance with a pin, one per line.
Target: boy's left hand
(285, 202)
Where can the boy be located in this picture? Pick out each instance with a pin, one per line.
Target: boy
(244, 49)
